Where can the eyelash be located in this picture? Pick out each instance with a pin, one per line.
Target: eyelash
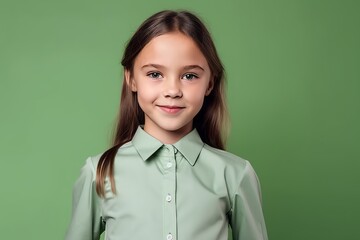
(186, 76)
(192, 76)
(151, 74)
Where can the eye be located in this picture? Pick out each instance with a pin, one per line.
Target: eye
(154, 75)
(189, 76)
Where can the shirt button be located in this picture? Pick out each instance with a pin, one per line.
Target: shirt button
(168, 198)
(169, 237)
(169, 165)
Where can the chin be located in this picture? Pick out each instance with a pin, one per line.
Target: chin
(177, 128)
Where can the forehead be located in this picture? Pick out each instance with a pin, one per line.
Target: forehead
(172, 49)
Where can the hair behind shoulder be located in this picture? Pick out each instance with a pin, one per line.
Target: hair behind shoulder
(211, 122)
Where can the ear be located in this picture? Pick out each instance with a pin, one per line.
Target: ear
(210, 87)
(130, 81)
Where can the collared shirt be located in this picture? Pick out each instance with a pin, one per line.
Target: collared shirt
(182, 191)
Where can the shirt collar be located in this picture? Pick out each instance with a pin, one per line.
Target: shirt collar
(190, 145)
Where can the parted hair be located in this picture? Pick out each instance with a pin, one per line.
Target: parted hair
(212, 119)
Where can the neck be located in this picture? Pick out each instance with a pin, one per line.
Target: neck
(166, 136)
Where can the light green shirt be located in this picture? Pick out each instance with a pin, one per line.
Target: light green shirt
(184, 191)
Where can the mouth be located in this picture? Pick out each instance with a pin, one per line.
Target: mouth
(170, 109)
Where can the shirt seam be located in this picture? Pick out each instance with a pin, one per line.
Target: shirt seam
(238, 187)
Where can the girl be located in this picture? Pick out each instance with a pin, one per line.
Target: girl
(167, 175)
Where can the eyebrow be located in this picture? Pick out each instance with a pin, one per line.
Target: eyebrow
(187, 67)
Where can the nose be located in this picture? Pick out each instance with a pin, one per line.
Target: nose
(172, 88)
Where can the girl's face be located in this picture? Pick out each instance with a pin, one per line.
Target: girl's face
(171, 77)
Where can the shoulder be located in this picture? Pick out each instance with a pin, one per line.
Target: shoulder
(235, 169)
(88, 170)
(224, 158)
(92, 161)
(238, 173)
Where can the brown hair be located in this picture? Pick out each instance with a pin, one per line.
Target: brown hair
(211, 120)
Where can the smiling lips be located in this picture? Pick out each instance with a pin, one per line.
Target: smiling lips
(170, 109)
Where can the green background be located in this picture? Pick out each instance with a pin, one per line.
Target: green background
(293, 90)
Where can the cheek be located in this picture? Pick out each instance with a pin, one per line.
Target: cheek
(196, 94)
(197, 100)
(145, 95)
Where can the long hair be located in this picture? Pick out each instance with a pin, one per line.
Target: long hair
(210, 122)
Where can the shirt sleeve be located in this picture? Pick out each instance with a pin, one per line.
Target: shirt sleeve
(86, 221)
(246, 215)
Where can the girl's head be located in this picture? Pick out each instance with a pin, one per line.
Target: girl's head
(211, 117)
(170, 65)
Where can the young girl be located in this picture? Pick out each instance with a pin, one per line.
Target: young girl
(167, 175)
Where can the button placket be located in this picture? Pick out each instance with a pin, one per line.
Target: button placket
(169, 193)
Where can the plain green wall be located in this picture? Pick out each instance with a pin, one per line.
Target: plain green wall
(293, 86)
